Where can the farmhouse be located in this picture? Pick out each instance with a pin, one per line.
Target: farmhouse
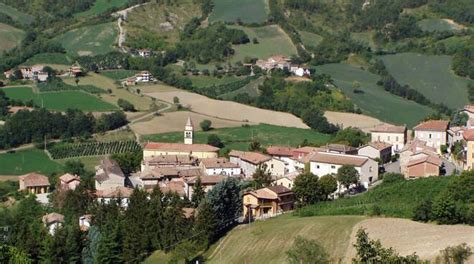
(219, 166)
(275, 62)
(69, 182)
(34, 183)
(34, 72)
(434, 132)
(250, 161)
(425, 166)
(393, 135)
(141, 77)
(53, 222)
(108, 175)
(414, 150)
(267, 202)
(75, 71)
(324, 163)
(377, 150)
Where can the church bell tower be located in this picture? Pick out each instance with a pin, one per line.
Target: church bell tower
(188, 132)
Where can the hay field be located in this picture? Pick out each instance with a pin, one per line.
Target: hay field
(247, 11)
(224, 109)
(10, 37)
(363, 122)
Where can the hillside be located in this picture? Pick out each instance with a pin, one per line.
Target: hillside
(10, 37)
(247, 11)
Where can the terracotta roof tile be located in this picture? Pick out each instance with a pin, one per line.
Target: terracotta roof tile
(433, 125)
(174, 187)
(218, 163)
(279, 189)
(380, 145)
(67, 178)
(340, 159)
(280, 151)
(429, 159)
(34, 179)
(52, 218)
(252, 157)
(180, 147)
(385, 128)
(469, 135)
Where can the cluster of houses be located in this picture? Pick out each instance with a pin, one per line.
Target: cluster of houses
(141, 77)
(282, 63)
(37, 73)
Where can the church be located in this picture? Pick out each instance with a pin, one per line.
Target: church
(199, 151)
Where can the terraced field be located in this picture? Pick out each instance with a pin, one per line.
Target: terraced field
(374, 100)
(10, 37)
(247, 11)
(100, 6)
(429, 74)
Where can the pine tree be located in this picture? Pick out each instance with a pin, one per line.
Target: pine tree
(205, 224)
(110, 248)
(198, 193)
(175, 226)
(226, 201)
(73, 245)
(154, 220)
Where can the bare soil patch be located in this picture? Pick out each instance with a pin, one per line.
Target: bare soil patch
(363, 122)
(8, 178)
(407, 236)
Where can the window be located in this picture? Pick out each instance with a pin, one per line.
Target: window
(388, 138)
(429, 136)
(317, 166)
(396, 138)
(271, 166)
(333, 167)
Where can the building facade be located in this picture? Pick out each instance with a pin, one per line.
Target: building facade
(433, 132)
(393, 135)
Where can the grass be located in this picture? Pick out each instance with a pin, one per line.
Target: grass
(118, 74)
(60, 101)
(26, 161)
(16, 15)
(90, 40)
(429, 74)
(89, 162)
(310, 39)
(239, 138)
(10, 37)
(436, 24)
(101, 6)
(251, 89)
(375, 101)
(267, 241)
(272, 41)
(247, 11)
(49, 58)
(397, 199)
(207, 81)
(365, 38)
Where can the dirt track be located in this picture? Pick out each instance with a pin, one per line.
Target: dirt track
(407, 236)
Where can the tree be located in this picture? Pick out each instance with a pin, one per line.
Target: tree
(205, 224)
(205, 125)
(226, 201)
(126, 105)
(198, 193)
(75, 167)
(347, 175)
(328, 184)
(129, 162)
(154, 219)
(10, 254)
(455, 255)
(307, 251)
(352, 136)
(423, 212)
(262, 176)
(255, 145)
(307, 188)
(215, 141)
(186, 250)
(176, 100)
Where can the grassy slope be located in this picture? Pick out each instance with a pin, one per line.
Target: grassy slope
(310, 39)
(396, 199)
(100, 6)
(436, 24)
(375, 101)
(248, 11)
(60, 101)
(206, 81)
(250, 89)
(240, 137)
(430, 75)
(118, 74)
(272, 41)
(269, 240)
(49, 58)
(90, 40)
(10, 37)
(22, 162)
(16, 15)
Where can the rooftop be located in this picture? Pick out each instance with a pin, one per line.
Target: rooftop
(385, 128)
(170, 159)
(107, 166)
(379, 145)
(339, 159)
(34, 179)
(53, 218)
(122, 192)
(218, 163)
(433, 125)
(429, 159)
(252, 157)
(468, 135)
(67, 178)
(180, 147)
(280, 151)
(207, 180)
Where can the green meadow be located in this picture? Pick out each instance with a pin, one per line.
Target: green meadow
(49, 58)
(310, 39)
(101, 6)
(10, 37)
(118, 74)
(26, 161)
(436, 24)
(247, 11)
(202, 81)
(16, 15)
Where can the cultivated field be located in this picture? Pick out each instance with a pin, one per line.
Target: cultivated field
(16, 15)
(26, 161)
(440, 25)
(90, 40)
(49, 58)
(10, 37)
(407, 236)
(60, 101)
(224, 109)
(118, 74)
(374, 101)
(207, 81)
(272, 40)
(363, 122)
(431, 75)
(247, 11)
(100, 6)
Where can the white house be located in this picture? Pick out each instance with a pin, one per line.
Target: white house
(376, 150)
(433, 132)
(108, 175)
(455, 134)
(324, 163)
(249, 162)
(143, 76)
(119, 193)
(285, 154)
(219, 166)
(393, 135)
(53, 222)
(145, 53)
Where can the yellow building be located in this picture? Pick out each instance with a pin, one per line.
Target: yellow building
(469, 146)
(267, 202)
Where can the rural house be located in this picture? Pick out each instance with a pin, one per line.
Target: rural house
(393, 135)
(285, 154)
(250, 161)
(287, 181)
(377, 150)
(34, 183)
(275, 62)
(434, 132)
(425, 166)
(69, 182)
(108, 175)
(339, 148)
(267, 202)
(219, 166)
(324, 163)
(207, 182)
(53, 222)
(413, 150)
(122, 193)
(152, 177)
(455, 134)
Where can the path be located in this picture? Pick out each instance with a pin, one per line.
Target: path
(122, 15)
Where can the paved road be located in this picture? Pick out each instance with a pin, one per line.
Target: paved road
(393, 167)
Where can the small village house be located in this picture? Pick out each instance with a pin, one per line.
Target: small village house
(108, 175)
(393, 135)
(414, 149)
(424, 166)
(324, 163)
(181, 161)
(143, 76)
(121, 194)
(69, 182)
(267, 202)
(339, 148)
(219, 166)
(34, 183)
(177, 187)
(285, 181)
(455, 134)
(75, 71)
(53, 222)
(285, 154)
(207, 182)
(153, 177)
(377, 150)
(434, 132)
(250, 161)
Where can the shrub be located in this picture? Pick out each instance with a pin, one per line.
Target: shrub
(392, 177)
(307, 251)
(215, 141)
(206, 125)
(423, 212)
(457, 254)
(126, 105)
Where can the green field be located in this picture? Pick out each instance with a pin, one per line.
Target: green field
(239, 138)
(207, 81)
(26, 161)
(100, 6)
(16, 15)
(310, 39)
(251, 89)
(365, 38)
(10, 37)
(398, 199)
(431, 75)
(436, 24)
(118, 74)
(272, 41)
(90, 40)
(247, 11)
(375, 101)
(60, 101)
(49, 58)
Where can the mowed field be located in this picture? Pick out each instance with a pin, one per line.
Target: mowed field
(100, 6)
(223, 109)
(429, 74)
(272, 40)
(374, 101)
(90, 40)
(361, 121)
(10, 37)
(247, 11)
(118, 74)
(60, 101)
(26, 161)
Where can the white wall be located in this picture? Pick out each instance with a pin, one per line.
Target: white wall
(368, 171)
(397, 140)
(223, 171)
(433, 139)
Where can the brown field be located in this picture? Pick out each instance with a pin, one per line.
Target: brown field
(363, 122)
(8, 178)
(407, 236)
(175, 121)
(224, 109)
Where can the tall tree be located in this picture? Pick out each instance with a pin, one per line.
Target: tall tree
(307, 251)
(205, 224)
(307, 189)
(262, 176)
(328, 185)
(154, 219)
(347, 175)
(175, 226)
(226, 202)
(198, 192)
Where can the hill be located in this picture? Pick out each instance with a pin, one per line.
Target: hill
(246, 11)
(100, 6)
(10, 37)
(16, 15)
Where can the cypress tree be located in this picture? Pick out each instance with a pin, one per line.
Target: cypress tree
(154, 220)
(198, 193)
(205, 224)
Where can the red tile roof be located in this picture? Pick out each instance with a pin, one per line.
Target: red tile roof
(34, 179)
(469, 135)
(252, 157)
(218, 163)
(339, 159)
(67, 178)
(280, 151)
(385, 128)
(433, 125)
(181, 147)
(429, 159)
(379, 145)
(52, 218)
